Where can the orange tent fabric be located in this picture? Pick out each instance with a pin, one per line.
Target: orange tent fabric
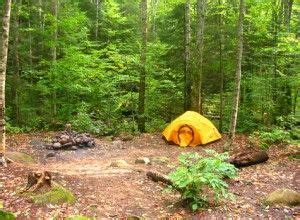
(191, 129)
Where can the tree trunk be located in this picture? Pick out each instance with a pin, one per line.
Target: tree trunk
(97, 20)
(198, 98)
(54, 53)
(159, 177)
(236, 95)
(187, 70)
(16, 75)
(30, 38)
(3, 60)
(221, 43)
(142, 87)
(154, 5)
(40, 14)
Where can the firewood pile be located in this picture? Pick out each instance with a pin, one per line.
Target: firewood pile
(71, 140)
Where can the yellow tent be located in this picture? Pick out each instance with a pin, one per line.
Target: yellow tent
(191, 129)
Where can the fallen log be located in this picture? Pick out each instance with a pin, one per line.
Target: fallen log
(248, 158)
(159, 177)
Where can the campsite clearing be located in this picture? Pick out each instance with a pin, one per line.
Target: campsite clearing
(103, 190)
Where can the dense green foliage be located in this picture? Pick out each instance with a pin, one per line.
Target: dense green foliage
(286, 131)
(200, 179)
(7, 215)
(93, 82)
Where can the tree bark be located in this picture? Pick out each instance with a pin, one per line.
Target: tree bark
(54, 52)
(3, 62)
(142, 87)
(30, 38)
(97, 20)
(248, 158)
(221, 69)
(198, 98)
(159, 177)
(154, 5)
(16, 74)
(236, 95)
(187, 69)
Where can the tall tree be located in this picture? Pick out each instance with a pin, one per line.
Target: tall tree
(142, 87)
(198, 98)
(3, 61)
(221, 67)
(54, 51)
(97, 20)
(16, 63)
(236, 95)
(187, 69)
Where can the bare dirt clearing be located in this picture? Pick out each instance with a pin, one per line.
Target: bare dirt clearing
(106, 191)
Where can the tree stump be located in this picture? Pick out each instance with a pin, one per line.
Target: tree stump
(37, 180)
(3, 160)
(248, 158)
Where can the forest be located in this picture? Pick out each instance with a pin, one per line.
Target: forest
(87, 87)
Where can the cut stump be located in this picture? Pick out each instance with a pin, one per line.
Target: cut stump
(37, 180)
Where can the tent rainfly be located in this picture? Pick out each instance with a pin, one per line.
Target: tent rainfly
(191, 129)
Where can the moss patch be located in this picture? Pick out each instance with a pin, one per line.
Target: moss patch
(283, 196)
(56, 195)
(20, 157)
(6, 215)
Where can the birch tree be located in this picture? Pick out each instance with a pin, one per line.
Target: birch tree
(236, 95)
(3, 62)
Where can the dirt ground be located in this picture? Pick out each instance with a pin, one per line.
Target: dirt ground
(107, 192)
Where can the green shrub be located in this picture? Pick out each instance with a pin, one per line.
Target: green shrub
(6, 215)
(287, 122)
(12, 129)
(200, 179)
(275, 136)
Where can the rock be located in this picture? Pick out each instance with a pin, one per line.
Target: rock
(160, 160)
(48, 146)
(20, 157)
(284, 197)
(143, 160)
(56, 145)
(91, 144)
(119, 163)
(117, 143)
(50, 154)
(126, 136)
(37, 143)
(78, 140)
(74, 148)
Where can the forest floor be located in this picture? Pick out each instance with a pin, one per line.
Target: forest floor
(107, 192)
